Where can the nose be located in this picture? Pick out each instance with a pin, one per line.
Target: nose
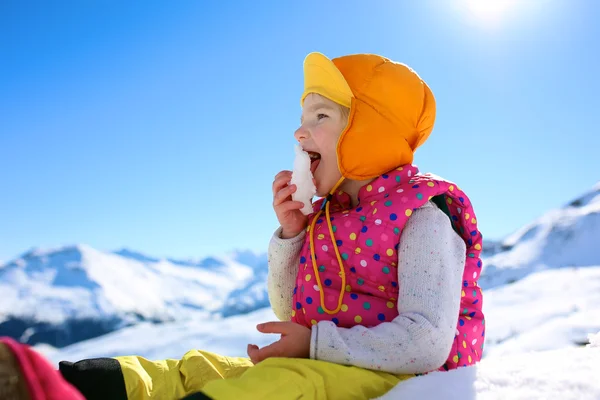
(301, 134)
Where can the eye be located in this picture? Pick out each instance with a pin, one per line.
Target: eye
(321, 116)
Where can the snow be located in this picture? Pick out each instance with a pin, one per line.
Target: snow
(303, 179)
(80, 282)
(546, 310)
(560, 238)
(566, 374)
(227, 336)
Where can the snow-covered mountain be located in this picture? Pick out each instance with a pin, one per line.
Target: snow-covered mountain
(566, 237)
(65, 295)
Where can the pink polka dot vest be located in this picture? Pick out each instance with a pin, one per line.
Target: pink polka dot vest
(367, 238)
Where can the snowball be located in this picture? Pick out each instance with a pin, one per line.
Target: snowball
(303, 179)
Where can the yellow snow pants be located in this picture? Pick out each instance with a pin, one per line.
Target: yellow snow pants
(221, 377)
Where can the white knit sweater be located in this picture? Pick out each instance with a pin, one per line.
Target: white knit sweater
(431, 259)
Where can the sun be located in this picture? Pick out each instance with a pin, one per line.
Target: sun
(490, 11)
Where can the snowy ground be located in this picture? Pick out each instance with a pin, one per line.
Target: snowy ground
(535, 349)
(566, 374)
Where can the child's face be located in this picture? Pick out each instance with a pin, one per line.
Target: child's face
(322, 123)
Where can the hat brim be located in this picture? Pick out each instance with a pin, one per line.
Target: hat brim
(321, 76)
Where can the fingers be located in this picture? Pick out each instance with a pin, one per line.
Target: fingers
(252, 351)
(284, 194)
(281, 327)
(281, 180)
(289, 206)
(272, 350)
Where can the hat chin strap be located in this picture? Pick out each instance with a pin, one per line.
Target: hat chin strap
(325, 206)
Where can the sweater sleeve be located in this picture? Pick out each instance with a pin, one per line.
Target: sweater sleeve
(283, 259)
(430, 268)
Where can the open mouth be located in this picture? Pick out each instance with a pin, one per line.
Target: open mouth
(315, 159)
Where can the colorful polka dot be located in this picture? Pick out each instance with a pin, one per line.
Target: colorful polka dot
(376, 277)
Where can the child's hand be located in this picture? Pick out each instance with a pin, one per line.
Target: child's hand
(288, 212)
(294, 342)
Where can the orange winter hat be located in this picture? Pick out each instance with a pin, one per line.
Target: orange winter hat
(392, 110)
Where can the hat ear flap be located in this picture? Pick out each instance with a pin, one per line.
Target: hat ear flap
(370, 145)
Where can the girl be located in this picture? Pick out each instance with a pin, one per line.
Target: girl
(377, 285)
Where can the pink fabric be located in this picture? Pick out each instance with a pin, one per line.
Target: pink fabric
(43, 381)
(367, 237)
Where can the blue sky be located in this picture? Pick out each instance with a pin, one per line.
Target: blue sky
(159, 126)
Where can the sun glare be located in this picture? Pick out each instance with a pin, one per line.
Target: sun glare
(490, 11)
